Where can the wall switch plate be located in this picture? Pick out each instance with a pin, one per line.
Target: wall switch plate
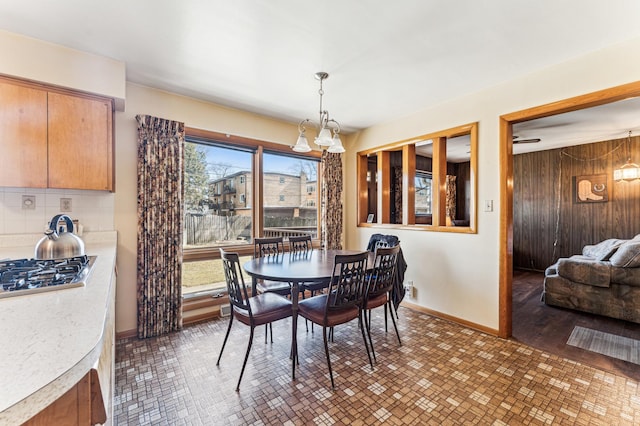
(28, 202)
(65, 205)
(488, 205)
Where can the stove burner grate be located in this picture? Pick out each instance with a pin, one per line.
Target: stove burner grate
(24, 276)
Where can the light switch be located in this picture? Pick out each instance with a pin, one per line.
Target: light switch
(488, 205)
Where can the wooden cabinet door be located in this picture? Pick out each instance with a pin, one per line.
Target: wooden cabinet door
(80, 142)
(23, 136)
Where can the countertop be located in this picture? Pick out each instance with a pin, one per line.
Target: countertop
(50, 340)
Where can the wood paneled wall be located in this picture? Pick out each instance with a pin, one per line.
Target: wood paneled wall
(545, 208)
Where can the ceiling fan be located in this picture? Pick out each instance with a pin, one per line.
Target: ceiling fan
(532, 140)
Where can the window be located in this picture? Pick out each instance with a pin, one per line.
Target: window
(428, 181)
(286, 208)
(212, 217)
(423, 193)
(223, 196)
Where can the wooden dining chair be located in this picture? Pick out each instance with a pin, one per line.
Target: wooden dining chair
(342, 303)
(270, 247)
(379, 287)
(252, 311)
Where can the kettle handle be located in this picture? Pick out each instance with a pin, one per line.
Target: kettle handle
(54, 222)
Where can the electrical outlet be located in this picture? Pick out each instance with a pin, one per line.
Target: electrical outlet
(414, 292)
(28, 202)
(65, 205)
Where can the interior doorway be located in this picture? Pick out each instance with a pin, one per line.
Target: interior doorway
(507, 121)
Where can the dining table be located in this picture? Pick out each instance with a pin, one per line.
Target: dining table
(296, 268)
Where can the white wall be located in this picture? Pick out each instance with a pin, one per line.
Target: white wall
(50, 63)
(457, 274)
(194, 113)
(94, 209)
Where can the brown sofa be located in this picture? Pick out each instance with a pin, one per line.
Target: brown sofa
(604, 280)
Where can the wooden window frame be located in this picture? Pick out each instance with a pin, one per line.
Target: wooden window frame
(438, 173)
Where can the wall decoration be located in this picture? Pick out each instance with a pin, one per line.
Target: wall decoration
(592, 189)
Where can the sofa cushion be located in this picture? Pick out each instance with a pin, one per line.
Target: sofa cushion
(603, 250)
(585, 270)
(628, 255)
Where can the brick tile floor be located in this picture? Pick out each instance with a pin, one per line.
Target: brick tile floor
(443, 374)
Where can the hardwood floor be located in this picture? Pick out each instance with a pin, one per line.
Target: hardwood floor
(548, 328)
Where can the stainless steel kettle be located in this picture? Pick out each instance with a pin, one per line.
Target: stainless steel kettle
(58, 245)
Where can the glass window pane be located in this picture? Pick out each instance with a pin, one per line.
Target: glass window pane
(205, 275)
(290, 196)
(423, 193)
(217, 209)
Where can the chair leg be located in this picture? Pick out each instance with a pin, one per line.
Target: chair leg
(386, 329)
(367, 320)
(226, 336)
(364, 338)
(246, 357)
(393, 320)
(271, 331)
(326, 351)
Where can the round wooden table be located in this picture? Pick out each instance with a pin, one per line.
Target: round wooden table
(296, 268)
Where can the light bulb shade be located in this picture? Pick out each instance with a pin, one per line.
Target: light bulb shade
(302, 145)
(630, 171)
(336, 145)
(324, 137)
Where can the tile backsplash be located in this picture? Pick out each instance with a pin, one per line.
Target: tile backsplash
(93, 209)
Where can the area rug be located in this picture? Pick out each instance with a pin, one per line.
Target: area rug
(607, 344)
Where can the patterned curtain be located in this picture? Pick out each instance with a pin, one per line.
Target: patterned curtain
(397, 186)
(160, 185)
(331, 201)
(451, 196)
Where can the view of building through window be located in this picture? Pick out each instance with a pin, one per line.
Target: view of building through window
(219, 208)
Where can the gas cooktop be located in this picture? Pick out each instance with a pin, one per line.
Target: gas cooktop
(27, 276)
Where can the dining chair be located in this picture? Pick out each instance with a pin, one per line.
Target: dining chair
(302, 245)
(252, 311)
(380, 284)
(270, 247)
(343, 301)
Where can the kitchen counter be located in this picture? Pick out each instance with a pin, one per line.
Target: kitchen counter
(51, 340)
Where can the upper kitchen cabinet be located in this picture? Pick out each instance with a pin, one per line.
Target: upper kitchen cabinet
(80, 142)
(23, 136)
(55, 138)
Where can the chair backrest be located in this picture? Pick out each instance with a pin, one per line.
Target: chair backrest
(271, 246)
(348, 281)
(383, 276)
(300, 244)
(380, 240)
(238, 295)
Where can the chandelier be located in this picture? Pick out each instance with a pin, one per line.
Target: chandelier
(329, 129)
(629, 171)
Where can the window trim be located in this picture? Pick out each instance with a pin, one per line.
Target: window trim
(407, 146)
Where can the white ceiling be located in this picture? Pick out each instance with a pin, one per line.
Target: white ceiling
(385, 59)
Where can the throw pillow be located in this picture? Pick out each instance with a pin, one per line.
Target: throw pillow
(628, 255)
(603, 250)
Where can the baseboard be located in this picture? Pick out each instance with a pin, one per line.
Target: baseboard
(451, 318)
(126, 334)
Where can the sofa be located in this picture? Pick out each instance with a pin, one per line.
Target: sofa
(604, 280)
